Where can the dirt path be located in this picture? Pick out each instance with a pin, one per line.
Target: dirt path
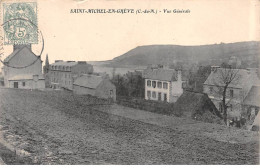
(58, 128)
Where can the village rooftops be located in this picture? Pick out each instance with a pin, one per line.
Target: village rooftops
(242, 78)
(160, 74)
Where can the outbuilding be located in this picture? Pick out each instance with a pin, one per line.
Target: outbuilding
(95, 85)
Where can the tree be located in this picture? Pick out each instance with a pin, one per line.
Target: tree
(130, 84)
(226, 76)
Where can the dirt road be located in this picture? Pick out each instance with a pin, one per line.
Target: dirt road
(59, 128)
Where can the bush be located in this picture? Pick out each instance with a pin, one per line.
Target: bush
(148, 105)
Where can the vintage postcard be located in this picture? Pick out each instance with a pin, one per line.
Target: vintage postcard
(128, 82)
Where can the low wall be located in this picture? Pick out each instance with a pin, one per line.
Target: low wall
(148, 105)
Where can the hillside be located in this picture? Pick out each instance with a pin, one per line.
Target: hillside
(59, 128)
(204, 54)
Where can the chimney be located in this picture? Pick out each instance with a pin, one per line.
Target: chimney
(35, 77)
(179, 75)
(214, 68)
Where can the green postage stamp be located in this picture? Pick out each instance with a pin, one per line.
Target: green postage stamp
(20, 23)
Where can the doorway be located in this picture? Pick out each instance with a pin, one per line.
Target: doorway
(165, 97)
(15, 84)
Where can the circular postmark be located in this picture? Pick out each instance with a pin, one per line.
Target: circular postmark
(22, 30)
(38, 33)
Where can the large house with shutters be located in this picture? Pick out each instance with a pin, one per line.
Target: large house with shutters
(238, 94)
(162, 84)
(23, 69)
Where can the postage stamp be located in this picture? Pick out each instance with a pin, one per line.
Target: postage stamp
(20, 23)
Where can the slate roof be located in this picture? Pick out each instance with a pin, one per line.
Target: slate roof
(160, 74)
(253, 97)
(88, 81)
(63, 63)
(25, 77)
(242, 79)
(15, 52)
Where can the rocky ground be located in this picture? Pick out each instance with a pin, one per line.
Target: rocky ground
(39, 127)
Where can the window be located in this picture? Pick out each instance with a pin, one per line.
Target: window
(154, 84)
(159, 84)
(231, 107)
(111, 92)
(165, 85)
(160, 96)
(23, 83)
(154, 94)
(148, 94)
(148, 83)
(220, 90)
(165, 97)
(231, 92)
(220, 107)
(211, 90)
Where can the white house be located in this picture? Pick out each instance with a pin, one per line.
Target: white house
(23, 69)
(163, 84)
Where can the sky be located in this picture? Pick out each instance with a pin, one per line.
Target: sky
(97, 37)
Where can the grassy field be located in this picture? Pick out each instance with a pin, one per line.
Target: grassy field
(61, 128)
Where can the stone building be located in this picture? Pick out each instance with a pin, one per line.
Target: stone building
(251, 105)
(23, 69)
(95, 85)
(236, 92)
(62, 74)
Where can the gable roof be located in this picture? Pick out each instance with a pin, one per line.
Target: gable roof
(160, 74)
(88, 81)
(253, 97)
(243, 77)
(15, 53)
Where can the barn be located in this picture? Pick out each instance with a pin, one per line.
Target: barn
(95, 85)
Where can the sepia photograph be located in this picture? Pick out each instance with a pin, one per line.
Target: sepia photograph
(129, 82)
